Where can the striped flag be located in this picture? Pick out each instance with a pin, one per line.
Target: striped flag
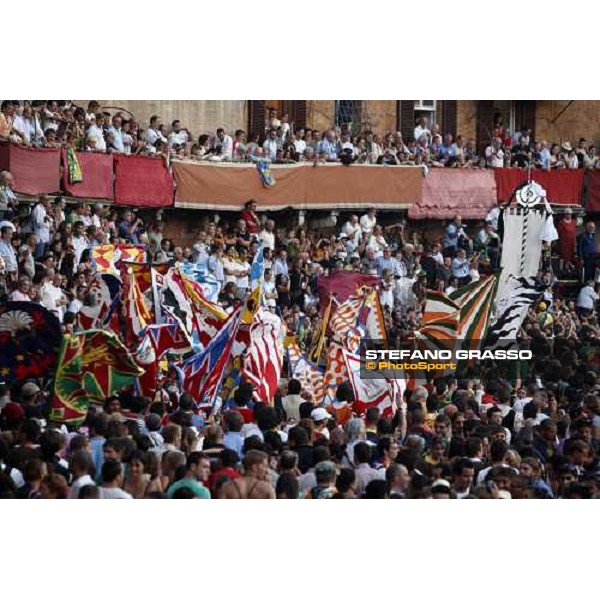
(475, 301)
(137, 315)
(264, 356)
(203, 372)
(375, 320)
(437, 305)
(103, 296)
(369, 393)
(105, 258)
(345, 316)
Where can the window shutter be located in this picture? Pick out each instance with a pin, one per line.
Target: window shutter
(449, 115)
(298, 113)
(406, 112)
(525, 115)
(257, 117)
(485, 123)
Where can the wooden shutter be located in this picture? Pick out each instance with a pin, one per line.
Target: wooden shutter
(296, 110)
(448, 117)
(525, 115)
(256, 117)
(485, 123)
(406, 114)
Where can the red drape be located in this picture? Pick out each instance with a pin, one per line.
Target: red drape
(342, 285)
(36, 171)
(592, 183)
(562, 187)
(142, 181)
(98, 180)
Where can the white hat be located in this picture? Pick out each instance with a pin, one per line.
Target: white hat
(441, 483)
(7, 224)
(320, 414)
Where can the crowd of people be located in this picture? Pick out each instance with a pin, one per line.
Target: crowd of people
(531, 433)
(62, 123)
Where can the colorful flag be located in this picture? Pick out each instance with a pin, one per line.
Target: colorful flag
(378, 392)
(73, 166)
(204, 371)
(30, 339)
(264, 172)
(137, 315)
(342, 285)
(264, 358)
(102, 298)
(374, 322)
(336, 371)
(175, 301)
(106, 257)
(310, 376)
(475, 301)
(437, 305)
(345, 316)
(92, 366)
(318, 344)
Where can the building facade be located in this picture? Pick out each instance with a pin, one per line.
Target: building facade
(552, 120)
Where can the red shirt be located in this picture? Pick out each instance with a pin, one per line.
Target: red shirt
(251, 221)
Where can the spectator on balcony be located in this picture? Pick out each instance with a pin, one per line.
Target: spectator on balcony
(270, 145)
(95, 136)
(454, 237)
(368, 222)
(521, 154)
(250, 217)
(179, 135)
(461, 267)
(422, 130)
(329, 147)
(6, 120)
(542, 155)
(224, 144)
(567, 237)
(27, 126)
(494, 154)
(51, 116)
(117, 134)
(154, 133)
(447, 152)
(372, 148)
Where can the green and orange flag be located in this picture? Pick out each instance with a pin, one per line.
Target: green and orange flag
(92, 365)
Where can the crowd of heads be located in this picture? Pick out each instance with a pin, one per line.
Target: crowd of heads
(95, 129)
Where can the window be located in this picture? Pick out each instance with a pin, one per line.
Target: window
(347, 113)
(426, 108)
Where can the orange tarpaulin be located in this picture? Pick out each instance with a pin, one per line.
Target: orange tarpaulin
(451, 192)
(227, 187)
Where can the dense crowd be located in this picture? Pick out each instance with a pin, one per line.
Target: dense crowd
(61, 123)
(532, 432)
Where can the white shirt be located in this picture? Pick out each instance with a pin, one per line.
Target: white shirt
(267, 238)
(268, 287)
(51, 296)
(587, 297)
(41, 223)
(233, 266)
(226, 146)
(178, 138)
(114, 494)
(78, 484)
(95, 133)
(300, 146)
(495, 158)
(242, 280)
(420, 131)
(80, 244)
(152, 135)
(271, 147)
(367, 224)
(353, 231)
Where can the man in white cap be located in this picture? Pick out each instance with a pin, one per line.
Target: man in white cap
(320, 418)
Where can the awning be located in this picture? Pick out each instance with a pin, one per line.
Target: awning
(35, 171)
(301, 186)
(470, 193)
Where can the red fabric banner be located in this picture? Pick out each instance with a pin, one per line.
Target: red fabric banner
(36, 171)
(592, 184)
(562, 187)
(142, 181)
(342, 285)
(98, 180)
(470, 193)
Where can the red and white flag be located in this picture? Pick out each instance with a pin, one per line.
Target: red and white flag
(264, 356)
